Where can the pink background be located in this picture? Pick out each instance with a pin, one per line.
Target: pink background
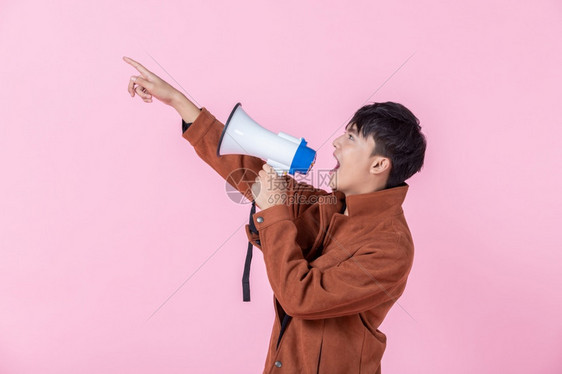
(106, 211)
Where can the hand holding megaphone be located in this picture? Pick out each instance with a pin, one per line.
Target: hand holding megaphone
(283, 152)
(269, 188)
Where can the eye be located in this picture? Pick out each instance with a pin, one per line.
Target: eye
(350, 135)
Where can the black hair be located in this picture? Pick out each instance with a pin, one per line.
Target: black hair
(397, 134)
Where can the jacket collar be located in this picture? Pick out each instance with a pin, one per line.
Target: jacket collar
(373, 203)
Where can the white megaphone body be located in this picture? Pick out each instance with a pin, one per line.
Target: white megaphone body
(285, 153)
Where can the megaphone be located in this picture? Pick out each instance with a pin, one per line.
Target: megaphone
(283, 152)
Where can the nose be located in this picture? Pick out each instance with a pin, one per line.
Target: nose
(335, 143)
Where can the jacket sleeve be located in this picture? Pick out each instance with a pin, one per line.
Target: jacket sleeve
(185, 125)
(240, 171)
(359, 279)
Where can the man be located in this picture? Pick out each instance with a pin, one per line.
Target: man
(338, 261)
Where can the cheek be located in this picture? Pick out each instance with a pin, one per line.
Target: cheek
(356, 168)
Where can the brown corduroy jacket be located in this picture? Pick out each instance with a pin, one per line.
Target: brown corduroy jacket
(336, 276)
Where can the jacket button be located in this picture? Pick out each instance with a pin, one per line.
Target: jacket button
(260, 220)
(278, 364)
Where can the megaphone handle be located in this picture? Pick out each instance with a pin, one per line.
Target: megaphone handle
(279, 170)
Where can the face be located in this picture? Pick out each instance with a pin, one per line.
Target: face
(353, 173)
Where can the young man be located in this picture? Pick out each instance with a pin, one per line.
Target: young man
(337, 261)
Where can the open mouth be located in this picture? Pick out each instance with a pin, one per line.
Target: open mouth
(337, 164)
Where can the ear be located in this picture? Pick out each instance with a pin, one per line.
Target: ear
(380, 164)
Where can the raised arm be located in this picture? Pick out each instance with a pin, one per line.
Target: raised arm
(204, 133)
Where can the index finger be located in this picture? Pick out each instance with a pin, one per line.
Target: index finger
(144, 71)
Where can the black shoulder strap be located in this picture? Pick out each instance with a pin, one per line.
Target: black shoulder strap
(248, 262)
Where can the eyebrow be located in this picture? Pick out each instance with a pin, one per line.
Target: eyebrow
(351, 129)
